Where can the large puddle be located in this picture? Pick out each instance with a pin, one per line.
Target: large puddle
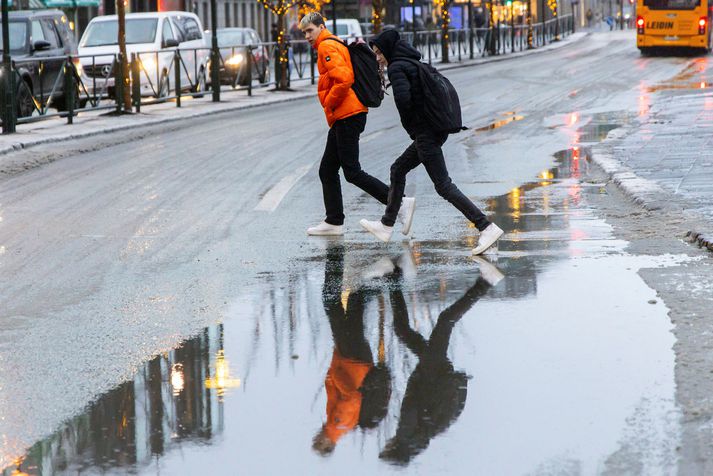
(370, 360)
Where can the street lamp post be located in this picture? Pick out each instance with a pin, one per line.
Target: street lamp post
(8, 79)
(470, 28)
(334, 17)
(214, 52)
(621, 14)
(542, 20)
(413, 19)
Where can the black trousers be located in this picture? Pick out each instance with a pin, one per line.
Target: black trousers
(343, 151)
(426, 150)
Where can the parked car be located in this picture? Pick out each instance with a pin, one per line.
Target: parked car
(234, 44)
(40, 41)
(154, 37)
(348, 29)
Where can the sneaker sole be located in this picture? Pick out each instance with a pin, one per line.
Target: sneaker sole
(480, 249)
(374, 234)
(325, 233)
(406, 228)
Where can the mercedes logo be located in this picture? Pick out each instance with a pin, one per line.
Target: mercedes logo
(106, 70)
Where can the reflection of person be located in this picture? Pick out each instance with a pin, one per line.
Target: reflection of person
(436, 393)
(358, 391)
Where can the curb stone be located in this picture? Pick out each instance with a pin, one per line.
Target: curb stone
(163, 120)
(644, 192)
(700, 239)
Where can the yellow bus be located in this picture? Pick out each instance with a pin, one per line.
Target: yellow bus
(673, 23)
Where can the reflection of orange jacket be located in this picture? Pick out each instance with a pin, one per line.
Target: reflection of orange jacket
(344, 378)
(336, 77)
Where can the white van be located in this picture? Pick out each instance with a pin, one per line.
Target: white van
(347, 29)
(154, 36)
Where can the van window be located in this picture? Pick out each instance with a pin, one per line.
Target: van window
(62, 27)
(104, 33)
(188, 27)
(18, 36)
(37, 32)
(51, 34)
(167, 33)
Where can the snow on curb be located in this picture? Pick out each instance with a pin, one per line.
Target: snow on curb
(701, 239)
(644, 192)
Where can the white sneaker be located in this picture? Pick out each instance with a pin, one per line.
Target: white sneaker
(408, 206)
(378, 229)
(325, 229)
(488, 271)
(379, 269)
(487, 238)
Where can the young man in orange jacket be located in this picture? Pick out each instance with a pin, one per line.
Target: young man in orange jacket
(346, 117)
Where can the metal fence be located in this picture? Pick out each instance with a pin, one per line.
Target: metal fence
(68, 85)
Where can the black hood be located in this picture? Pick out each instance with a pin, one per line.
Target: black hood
(392, 46)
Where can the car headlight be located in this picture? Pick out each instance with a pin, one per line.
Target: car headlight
(236, 60)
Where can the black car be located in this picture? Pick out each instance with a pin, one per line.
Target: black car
(234, 44)
(40, 42)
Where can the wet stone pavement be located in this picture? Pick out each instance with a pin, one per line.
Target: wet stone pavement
(413, 360)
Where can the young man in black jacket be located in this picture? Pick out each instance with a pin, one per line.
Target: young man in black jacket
(400, 58)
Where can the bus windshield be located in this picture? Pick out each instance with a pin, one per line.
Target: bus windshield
(672, 4)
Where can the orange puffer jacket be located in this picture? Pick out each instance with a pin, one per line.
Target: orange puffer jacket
(336, 77)
(344, 378)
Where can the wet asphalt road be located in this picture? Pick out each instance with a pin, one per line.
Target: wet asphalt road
(111, 259)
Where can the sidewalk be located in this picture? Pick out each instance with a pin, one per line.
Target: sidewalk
(88, 124)
(665, 162)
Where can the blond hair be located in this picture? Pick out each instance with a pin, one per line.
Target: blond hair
(312, 17)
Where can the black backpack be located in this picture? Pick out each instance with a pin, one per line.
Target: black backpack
(440, 100)
(367, 78)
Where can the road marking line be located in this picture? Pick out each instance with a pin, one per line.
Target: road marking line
(274, 196)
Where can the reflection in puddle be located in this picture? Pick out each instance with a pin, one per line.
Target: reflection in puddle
(166, 405)
(686, 79)
(373, 358)
(510, 117)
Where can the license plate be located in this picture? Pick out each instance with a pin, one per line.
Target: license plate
(670, 38)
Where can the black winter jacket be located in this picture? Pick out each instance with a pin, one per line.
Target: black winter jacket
(403, 75)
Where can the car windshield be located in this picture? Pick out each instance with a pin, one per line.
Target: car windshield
(672, 4)
(342, 30)
(231, 38)
(103, 33)
(18, 37)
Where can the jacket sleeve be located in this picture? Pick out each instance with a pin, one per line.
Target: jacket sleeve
(401, 87)
(339, 71)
